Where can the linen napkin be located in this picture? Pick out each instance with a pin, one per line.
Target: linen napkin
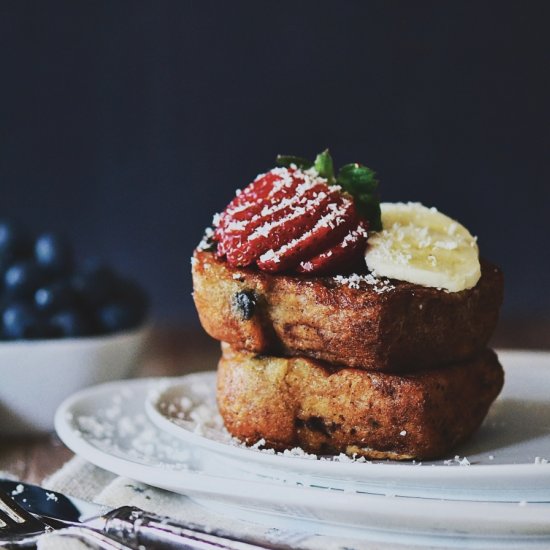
(81, 479)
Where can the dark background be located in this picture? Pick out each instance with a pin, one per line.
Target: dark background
(128, 124)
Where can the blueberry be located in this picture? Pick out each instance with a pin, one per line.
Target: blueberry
(71, 323)
(243, 303)
(118, 316)
(94, 286)
(22, 278)
(54, 253)
(20, 321)
(54, 297)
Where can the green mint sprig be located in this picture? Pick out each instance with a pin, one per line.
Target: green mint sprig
(325, 167)
(357, 180)
(360, 182)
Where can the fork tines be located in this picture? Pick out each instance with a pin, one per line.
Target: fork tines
(16, 520)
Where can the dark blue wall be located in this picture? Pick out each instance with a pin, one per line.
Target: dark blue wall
(128, 124)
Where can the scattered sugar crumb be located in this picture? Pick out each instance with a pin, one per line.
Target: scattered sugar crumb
(18, 490)
(299, 452)
(270, 256)
(206, 241)
(131, 435)
(355, 281)
(403, 432)
(457, 460)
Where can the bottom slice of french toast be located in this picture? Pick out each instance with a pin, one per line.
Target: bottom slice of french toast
(302, 402)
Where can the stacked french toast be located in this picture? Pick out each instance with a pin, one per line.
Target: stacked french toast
(347, 326)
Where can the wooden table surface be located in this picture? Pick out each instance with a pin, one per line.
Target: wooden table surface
(179, 351)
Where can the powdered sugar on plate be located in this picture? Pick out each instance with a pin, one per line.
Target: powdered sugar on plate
(112, 429)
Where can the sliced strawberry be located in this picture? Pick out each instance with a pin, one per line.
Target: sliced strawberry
(338, 218)
(267, 188)
(237, 220)
(340, 257)
(287, 219)
(247, 203)
(281, 224)
(243, 223)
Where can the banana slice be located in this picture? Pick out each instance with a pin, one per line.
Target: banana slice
(423, 246)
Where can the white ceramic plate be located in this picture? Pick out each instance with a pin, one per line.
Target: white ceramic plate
(506, 457)
(107, 425)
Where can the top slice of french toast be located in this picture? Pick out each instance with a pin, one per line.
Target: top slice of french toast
(354, 320)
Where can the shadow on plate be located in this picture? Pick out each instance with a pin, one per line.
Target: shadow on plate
(510, 423)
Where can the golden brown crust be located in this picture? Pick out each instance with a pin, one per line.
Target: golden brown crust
(302, 402)
(403, 329)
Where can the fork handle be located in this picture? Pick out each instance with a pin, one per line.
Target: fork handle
(141, 528)
(23, 541)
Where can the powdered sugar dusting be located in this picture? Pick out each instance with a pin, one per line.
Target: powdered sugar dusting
(285, 179)
(335, 217)
(270, 256)
(356, 282)
(457, 461)
(300, 205)
(118, 432)
(206, 242)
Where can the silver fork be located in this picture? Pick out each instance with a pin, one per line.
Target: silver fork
(20, 529)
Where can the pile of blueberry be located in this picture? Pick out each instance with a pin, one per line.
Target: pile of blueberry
(44, 294)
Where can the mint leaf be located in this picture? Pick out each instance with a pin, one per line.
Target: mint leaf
(358, 178)
(287, 160)
(368, 207)
(360, 182)
(324, 166)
